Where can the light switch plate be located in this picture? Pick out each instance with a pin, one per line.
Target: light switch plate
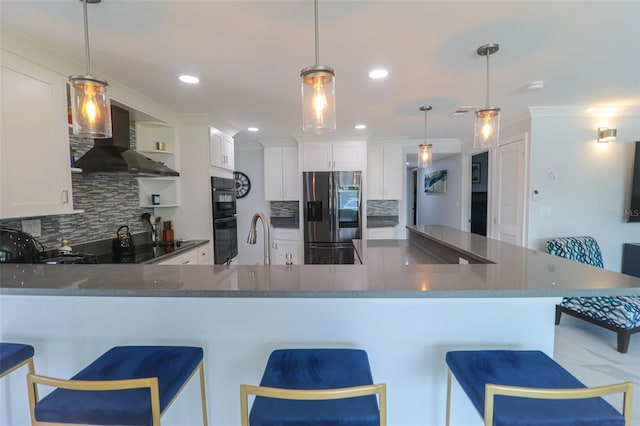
(32, 226)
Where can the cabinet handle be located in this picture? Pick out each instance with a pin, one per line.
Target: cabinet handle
(329, 164)
(334, 164)
(65, 196)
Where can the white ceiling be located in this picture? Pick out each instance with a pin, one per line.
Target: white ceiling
(248, 55)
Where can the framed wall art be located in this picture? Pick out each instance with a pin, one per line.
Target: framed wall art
(435, 182)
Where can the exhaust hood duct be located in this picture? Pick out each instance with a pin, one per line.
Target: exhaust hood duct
(114, 156)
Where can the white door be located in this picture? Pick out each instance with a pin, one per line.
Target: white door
(509, 192)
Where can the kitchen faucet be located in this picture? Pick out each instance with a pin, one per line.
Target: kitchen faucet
(252, 238)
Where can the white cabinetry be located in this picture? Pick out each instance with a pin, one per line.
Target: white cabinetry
(148, 135)
(221, 150)
(194, 219)
(200, 255)
(332, 156)
(384, 172)
(35, 173)
(281, 176)
(285, 241)
(190, 257)
(205, 255)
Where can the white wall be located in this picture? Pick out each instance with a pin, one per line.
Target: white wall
(590, 189)
(251, 163)
(441, 209)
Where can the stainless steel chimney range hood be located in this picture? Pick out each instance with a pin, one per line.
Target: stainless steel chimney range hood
(114, 156)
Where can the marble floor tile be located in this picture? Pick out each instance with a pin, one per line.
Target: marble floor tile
(589, 353)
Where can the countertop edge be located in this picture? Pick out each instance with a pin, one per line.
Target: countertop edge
(306, 294)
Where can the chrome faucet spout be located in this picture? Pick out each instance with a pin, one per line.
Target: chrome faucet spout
(253, 235)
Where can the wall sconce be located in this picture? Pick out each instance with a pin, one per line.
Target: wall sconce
(605, 134)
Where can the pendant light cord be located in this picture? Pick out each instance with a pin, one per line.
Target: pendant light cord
(317, 37)
(487, 104)
(425, 127)
(86, 38)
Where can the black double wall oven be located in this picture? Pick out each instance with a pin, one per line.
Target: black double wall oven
(225, 224)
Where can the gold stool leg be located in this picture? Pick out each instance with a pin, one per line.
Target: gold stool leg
(448, 397)
(205, 421)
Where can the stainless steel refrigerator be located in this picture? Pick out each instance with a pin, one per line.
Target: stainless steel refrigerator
(332, 216)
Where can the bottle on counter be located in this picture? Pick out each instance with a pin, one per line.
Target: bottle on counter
(167, 233)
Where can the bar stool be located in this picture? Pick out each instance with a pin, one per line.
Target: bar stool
(306, 387)
(127, 385)
(14, 356)
(545, 393)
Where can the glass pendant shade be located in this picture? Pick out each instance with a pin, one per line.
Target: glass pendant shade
(90, 104)
(424, 155)
(90, 107)
(318, 99)
(487, 128)
(486, 132)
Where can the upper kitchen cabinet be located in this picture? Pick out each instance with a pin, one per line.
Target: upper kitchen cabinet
(332, 156)
(281, 175)
(35, 168)
(221, 152)
(384, 172)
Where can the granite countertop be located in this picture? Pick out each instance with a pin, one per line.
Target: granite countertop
(517, 272)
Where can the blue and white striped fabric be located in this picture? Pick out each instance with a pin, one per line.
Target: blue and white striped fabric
(620, 311)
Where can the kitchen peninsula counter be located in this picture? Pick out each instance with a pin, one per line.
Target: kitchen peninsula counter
(405, 316)
(390, 269)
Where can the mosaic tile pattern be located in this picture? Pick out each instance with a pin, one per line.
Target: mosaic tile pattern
(382, 207)
(284, 208)
(108, 202)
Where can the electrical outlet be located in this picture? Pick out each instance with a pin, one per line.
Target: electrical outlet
(32, 227)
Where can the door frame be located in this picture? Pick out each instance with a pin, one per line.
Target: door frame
(492, 200)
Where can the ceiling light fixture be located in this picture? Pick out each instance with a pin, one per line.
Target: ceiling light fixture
(90, 104)
(189, 79)
(424, 154)
(318, 93)
(606, 135)
(487, 126)
(378, 74)
(253, 129)
(360, 126)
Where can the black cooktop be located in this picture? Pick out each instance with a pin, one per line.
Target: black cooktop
(141, 254)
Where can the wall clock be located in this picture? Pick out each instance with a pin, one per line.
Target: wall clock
(243, 184)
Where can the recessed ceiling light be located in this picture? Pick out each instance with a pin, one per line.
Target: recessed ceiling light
(535, 85)
(378, 73)
(253, 129)
(360, 126)
(190, 79)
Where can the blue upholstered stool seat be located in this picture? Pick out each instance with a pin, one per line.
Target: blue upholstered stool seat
(13, 355)
(533, 369)
(172, 365)
(307, 369)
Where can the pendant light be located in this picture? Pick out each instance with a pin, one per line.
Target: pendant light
(90, 104)
(424, 154)
(487, 127)
(318, 93)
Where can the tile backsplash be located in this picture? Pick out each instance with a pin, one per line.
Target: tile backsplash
(284, 208)
(382, 207)
(108, 202)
